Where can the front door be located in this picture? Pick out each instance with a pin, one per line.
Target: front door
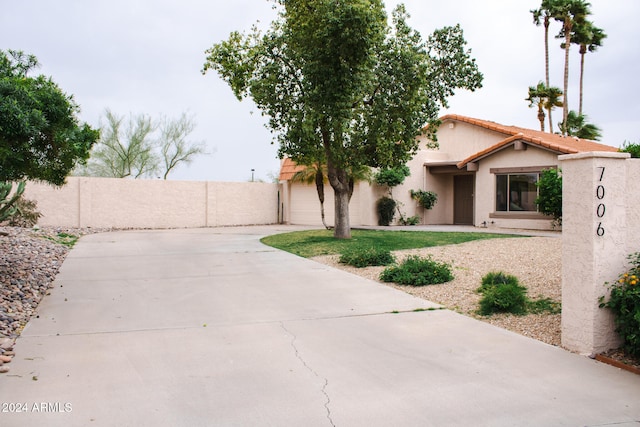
(463, 199)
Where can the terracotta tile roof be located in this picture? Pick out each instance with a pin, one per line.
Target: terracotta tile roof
(288, 168)
(554, 142)
(558, 143)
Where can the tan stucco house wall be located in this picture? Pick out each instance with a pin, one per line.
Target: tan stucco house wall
(472, 155)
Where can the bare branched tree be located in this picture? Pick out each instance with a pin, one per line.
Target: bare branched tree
(139, 147)
(173, 143)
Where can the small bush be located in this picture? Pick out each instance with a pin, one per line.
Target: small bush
(549, 198)
(367, 257)
(426, 199)
(412, 220)
(386, 210)
(507, 298)
(632, 148)
(392, 177)
(496, 278)
(624, 302)
(416, 271)
(501, 293)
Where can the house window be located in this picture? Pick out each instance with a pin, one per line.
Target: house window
(516, 192)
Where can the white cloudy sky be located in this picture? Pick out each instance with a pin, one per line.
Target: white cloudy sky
(145, 56)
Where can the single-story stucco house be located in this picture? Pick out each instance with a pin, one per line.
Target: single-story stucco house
(484, 174)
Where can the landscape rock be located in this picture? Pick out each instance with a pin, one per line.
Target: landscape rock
(7, 343)
(29, 262)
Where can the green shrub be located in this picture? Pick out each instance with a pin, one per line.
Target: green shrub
(426, 199)
(392, 177)
(386, 209)
(496, 278)
(631, 148)
(416, 271)
(549, 198)
(412, 220)
(624, 302)
(367, 257)
(501, 293)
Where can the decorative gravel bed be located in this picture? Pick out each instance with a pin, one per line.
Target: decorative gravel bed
(535, 261)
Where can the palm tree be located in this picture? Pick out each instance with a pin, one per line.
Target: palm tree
(589, 38)
(570, 13)
(536, 98)
(317, 173)
(310, 174)
(546, 12)
(553, 99)
(545, 98)
(577, 125)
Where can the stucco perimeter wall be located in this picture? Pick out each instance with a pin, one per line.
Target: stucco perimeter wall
(124, 203)
(601, 226)
(302, 207)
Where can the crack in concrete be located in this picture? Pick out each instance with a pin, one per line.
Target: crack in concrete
(310, 369)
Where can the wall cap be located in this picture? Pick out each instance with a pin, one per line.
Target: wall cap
(594, 155)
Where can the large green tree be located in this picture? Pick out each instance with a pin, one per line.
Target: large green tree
(40, 135)
(342, 87)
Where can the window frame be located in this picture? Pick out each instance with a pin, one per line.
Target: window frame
(526, 170)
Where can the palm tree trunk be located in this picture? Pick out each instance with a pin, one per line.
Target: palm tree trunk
(320, 190)
(324, 223)
(546, 50)
(546, 67)
(541, 117)
(565, 100)
(583, 51)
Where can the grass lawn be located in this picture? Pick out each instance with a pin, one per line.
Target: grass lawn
(321, 242)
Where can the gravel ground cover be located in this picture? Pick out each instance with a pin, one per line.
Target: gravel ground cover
(535, 261)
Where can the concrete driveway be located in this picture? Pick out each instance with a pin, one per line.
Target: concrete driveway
(211, 328)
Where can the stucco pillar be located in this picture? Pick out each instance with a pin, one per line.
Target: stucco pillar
(594, 246)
